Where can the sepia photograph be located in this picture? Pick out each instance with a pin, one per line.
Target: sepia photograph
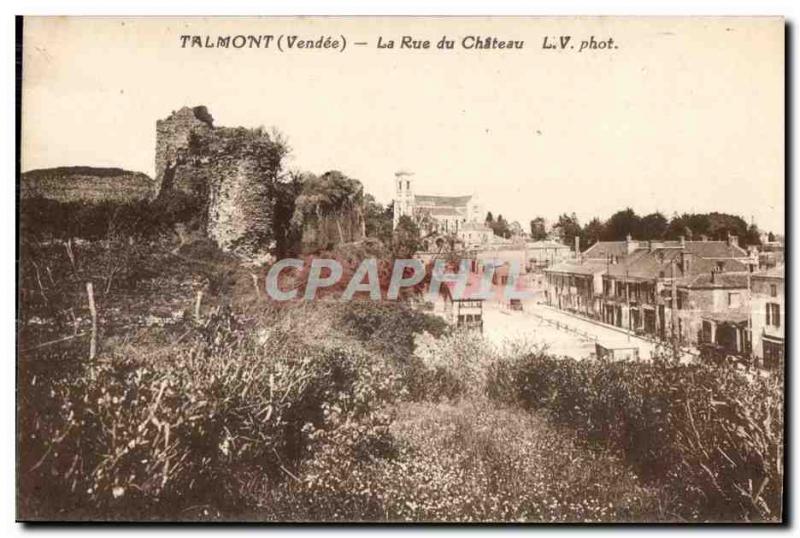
(401, 269)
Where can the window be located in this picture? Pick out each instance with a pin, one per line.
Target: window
(734, 300)
(773, 290)
(408, 185)
(400, 185)
(773, 314)
(773, 354)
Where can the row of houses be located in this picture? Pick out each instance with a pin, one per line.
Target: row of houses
(697, 293)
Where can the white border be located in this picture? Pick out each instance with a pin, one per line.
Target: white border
(787, 8)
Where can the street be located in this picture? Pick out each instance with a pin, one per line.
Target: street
(561, 332)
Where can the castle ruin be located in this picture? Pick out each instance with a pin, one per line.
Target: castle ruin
(228, 174)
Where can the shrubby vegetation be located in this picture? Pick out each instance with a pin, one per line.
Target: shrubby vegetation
(154, 430)
(712, 436)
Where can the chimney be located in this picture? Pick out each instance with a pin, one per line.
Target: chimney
(733, 240)
(683, 241)
(684, 263)
(578, 249)
(630, 245)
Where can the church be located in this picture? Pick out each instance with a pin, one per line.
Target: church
(435, 214)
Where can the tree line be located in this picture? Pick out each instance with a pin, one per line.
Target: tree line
(653, 226)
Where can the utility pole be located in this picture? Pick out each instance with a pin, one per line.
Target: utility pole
(674, 305)
(628, 299)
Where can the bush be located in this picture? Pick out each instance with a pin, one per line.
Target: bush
(449, 367)
(149, 433)
(388, 327)
(465, 462)
(44, 218)
(713, 435)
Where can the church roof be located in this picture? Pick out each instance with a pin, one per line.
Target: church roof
(450, 201)
(442, 212)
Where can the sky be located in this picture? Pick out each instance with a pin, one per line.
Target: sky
(685, 115)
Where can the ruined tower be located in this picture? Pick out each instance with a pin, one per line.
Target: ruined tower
(172, 141)
(227, 175)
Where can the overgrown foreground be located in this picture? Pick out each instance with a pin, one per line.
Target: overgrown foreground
(372, 411)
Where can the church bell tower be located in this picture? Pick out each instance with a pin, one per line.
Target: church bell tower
(404, 195)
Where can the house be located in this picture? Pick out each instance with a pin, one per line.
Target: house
(659, 288)
(714, 309)
(542, 254)
(475, 234)
(465, 309)
(576, 286)
(768, 318)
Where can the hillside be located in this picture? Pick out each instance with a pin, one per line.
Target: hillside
(86, 183)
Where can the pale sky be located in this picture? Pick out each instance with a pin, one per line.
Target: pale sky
(685, 115)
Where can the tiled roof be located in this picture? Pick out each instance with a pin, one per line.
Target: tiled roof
(703, 265)
(589, 267)
(705, 249)
(442, 212)
(642, 264)
(603, 249)
(715, 249)
(450, 201)
(545, 244)
(739, 315)
(649, 264)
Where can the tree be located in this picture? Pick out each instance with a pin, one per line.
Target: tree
(489, 218)
(753, 236)
(593, 232)
(621, 224)
(653, 226)
(406, 239)
(378, 220)
(716, 226)
(330, 209)
(567, 228)
(425, 222)
(679, 227)
(500, 227)
(538, 229)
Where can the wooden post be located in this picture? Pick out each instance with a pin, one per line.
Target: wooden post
(93, 310)
(197, 306)
(255, 284)
(70, 255)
